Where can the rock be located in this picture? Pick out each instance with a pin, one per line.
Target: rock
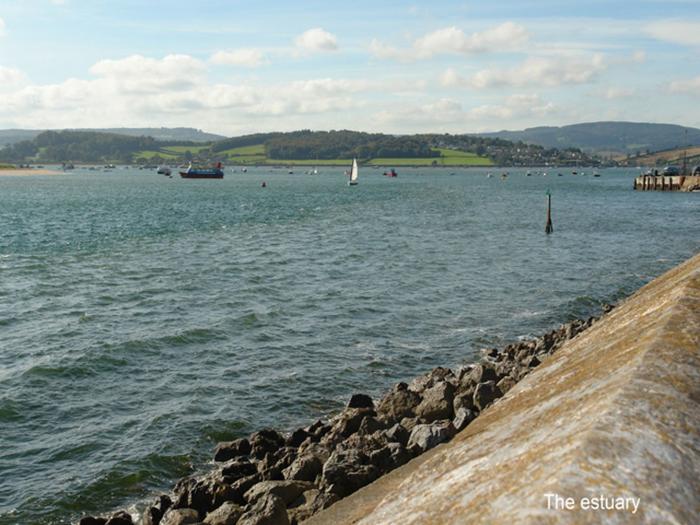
(481, 373)
(397, 434)
(151, 516)
(227, 514)
(505, 384)
(241, 486)
(391, 456)
(531, 361)
(120, 518)
(305, 467)
(425, 437)
(400, 402)
(464, 400)
(360, 401)
(347, 471)
(286, 490)
(227, 450)
(437, 402)
(237, 469)
(504, 368)
(370, 425)
(349, 421)
(297, 437)
(180, 517)
(463, 416)
(91, 520)
(203, 494)
(308, 504)
(410, 422)
(485, 394)
(318, 430)
(268, 510)
(436, 375)
(265, 441)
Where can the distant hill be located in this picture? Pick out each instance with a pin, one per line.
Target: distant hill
(12, 136)
(606, 137)
(295, 147)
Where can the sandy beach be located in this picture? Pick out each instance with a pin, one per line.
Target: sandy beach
(27, 171)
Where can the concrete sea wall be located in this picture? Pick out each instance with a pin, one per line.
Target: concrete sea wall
(612, 419)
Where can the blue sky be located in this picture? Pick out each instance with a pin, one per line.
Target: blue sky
(236, 67)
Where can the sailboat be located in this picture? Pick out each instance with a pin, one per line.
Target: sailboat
(354, 172)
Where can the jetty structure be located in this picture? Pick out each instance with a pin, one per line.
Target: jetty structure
(655, 181)
(597, 421)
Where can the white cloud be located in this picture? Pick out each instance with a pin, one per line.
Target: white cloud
(639, 57)
(10, 78)
(690, 86)
(505, 37)
(316, 39)
(538, 71)
(685, 33)
(613, 93)
(174, 90)
(239, 57)
(140, 74)
(514, 107)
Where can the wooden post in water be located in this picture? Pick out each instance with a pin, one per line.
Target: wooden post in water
(549, 228)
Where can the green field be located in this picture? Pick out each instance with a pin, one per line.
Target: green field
(255, 154)
(182, 149)
(150, 154)
(257, 149)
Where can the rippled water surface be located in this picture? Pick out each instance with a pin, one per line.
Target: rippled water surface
(143, 318)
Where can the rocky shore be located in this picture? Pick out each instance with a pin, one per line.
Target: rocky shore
(271, 478)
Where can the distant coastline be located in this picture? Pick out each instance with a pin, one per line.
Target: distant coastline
(12, 171)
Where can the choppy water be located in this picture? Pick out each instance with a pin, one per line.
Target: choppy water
(142, 318)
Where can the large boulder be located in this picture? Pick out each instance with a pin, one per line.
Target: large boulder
(268, 510)
(360, 401)
(464, 400)
(463, 417)
(231, 449)
(400, 402)
(347, 471)
(505, 384)
(485, 394)
(397, 434)
(482, 372)
(436, 375)
(227, 514)
(180, 517)
(305, 467)
(309, 503)
(425, 437)
(120, 518)
(389, 457)
(92, 520)
(286, 490)
(437, 402)
(265, 441)
(237, 469)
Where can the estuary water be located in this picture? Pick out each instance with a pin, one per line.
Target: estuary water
(143, 319)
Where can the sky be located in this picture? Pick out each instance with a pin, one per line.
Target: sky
(235, 67)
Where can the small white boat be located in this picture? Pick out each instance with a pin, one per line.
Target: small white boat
(354, 173)
(164, 170)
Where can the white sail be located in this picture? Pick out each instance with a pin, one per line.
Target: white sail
(354, 173)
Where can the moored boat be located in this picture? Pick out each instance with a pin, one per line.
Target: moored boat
(203, 173)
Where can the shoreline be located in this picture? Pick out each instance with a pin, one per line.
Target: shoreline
(289, 477)
(23, 172)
